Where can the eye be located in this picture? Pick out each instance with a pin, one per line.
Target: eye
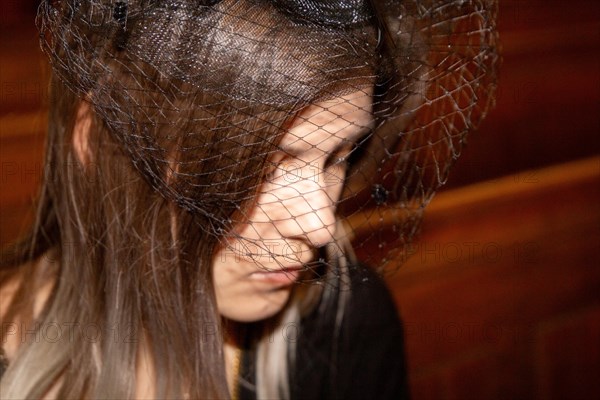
(340, 156)
(337, 164)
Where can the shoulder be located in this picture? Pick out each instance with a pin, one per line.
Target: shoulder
(23, 295)
(370, 299)
(371, 358)
(9, 288)
(364, 358)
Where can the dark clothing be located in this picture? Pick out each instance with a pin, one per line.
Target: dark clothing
(365, 362)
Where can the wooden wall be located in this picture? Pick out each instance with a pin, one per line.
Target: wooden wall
(502, 296)
(548, 93)
(501, 299)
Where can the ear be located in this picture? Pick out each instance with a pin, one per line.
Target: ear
(81, 133)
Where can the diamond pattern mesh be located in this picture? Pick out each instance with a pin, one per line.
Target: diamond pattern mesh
(272, 120)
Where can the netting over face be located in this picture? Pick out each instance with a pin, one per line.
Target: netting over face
(285, 125)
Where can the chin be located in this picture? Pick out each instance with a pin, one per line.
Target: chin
(253, 308)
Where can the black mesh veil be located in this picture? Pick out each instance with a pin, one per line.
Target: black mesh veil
(285, 107)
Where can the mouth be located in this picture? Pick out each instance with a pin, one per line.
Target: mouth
(285, 276)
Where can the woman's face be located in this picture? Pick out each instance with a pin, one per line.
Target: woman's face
(255, 269)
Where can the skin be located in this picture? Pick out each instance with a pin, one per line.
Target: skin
(256, 267)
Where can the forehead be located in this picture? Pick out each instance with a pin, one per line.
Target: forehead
(324, 124)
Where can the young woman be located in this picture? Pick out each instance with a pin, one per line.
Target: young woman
(189, 240)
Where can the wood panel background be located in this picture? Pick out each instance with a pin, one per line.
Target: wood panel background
(501, 298)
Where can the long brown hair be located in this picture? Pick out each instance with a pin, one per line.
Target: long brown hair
(134, 223)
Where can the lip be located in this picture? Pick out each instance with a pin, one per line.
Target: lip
(280, 276)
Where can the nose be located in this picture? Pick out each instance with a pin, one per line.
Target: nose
(312, 214)
(318, 220)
